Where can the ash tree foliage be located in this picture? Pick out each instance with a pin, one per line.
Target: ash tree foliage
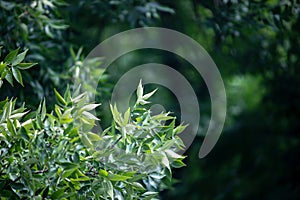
(255, 45)
(12, 65)
(53, 29)
(54, 150)
(57, 155)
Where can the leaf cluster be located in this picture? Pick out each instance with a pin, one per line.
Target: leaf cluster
(59, 155)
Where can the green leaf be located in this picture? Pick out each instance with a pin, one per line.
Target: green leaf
(44, 110)
(85, 140)
(126, 117)
(162, 117)
(25, 65)
(19, 58)
(117, 177)
(67, 95)
(79, 97)
(17, 186)
(82, 179)
(89, 107)
(80, 174)
(139, 91)
(18, 76)
(177, 164)
(147, 96)
(2, 67)
(48, 31)
(116, 114)
(68, 172)
(143, 102)
(93, 137)
(173, 155)
(24, 134)
(9, 78)
(75, 158)
(72, 52)
(57, 110)
(11, 127)
(68, 165)
(138, 186)
(18, 115)
(150, 193)
(103, 172)
(59, 98)
(179, 129)
(171, 128)
(165, 161)
(110, 190)
(90, 115)
(57, 194)
(4, 73)
(11, 56)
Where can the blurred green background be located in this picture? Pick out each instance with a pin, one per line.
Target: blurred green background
(255, 44)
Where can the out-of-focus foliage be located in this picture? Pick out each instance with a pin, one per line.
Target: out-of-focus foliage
(34, 25)
(57, 155)
(255, 44)
(53, 153)
(11, 66)
(49, 28)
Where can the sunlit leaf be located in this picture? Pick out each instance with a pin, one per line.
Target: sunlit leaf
(25, 65)
(17, 74)
(19, 58)
(11, 56)
(59, 98)
(117, 177)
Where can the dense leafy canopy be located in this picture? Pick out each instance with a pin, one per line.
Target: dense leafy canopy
(53, 152)
(56, 155)
(255, 44)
